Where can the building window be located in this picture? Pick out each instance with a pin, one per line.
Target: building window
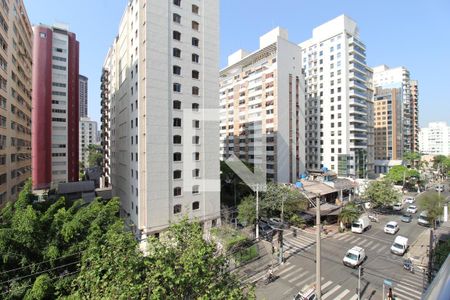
(177, 87)
(177, 191)
(177, 2)
(177, 174)
(196, 156)
(195, 140)
(176, 104)
(196, 124)
(177, 18)
(195, 106)
(177, 70)
(177, 208)
(177, 139)
(176, 52)
(176, 35)
(195, 189)
(176, 122)
(195, 42)
(195, 25)
(177, 156)
(195, 74)
(195, 205)
(195, 90)
(195, 58)
(195, 9)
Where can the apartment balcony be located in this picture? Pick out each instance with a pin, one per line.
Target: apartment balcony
(358, 127)
(357, 102)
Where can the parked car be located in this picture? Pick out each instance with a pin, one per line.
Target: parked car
(410, 199)
(439, 188)
(423, 219)
(400, 245)
(278, 223)
(397, 206)
(354, 257)
(362, 224)
(407, 218)
(391, 227)
(265, 230)
(412, 209)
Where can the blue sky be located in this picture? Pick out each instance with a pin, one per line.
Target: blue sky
(414, 34)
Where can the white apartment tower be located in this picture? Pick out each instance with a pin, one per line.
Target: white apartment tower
(339, 99)
(435, 139)
(88, 136)
(160, 94)
(261, 96)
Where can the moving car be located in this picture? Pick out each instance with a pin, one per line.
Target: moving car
(277, 223)
(412, 209)
(400, 245)
(354, 257)
(407, 218)
(423, 219)
(410, 199)
(362, 224)
(397, 206)
(307, 293)
(391, 227)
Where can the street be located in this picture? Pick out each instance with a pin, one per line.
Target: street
(339, 281)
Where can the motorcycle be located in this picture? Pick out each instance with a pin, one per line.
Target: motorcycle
(408, 265)
(374, 218)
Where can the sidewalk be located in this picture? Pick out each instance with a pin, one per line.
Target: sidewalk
(418, 250)
(327, 230)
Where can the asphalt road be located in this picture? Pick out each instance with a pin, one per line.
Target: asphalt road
(338, 281)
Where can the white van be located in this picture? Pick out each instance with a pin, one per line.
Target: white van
(354, 257)
(400, 245)
(362, 224)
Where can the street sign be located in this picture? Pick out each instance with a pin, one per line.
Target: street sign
(387, 282)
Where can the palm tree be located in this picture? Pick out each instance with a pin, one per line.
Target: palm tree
(411, 158)
(348, 215)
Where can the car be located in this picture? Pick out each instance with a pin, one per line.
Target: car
(391, 227)
(307, 293)
(412, 209)
(400, 245)
(407, 218)
(354, 257)
(266, 231)
(278, 223)
(397, 206)
(439, 188)
(423, 219)
(410, 199)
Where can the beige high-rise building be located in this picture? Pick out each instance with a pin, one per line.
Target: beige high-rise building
(262, 97)
(414, 113)
(160, 104)
(15, 98)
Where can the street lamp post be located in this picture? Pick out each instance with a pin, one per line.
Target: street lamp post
(257, 211)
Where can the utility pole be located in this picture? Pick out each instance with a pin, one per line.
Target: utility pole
(359, 282)
(282, 222)
(430, 257)
(318, 229)
(257, 212)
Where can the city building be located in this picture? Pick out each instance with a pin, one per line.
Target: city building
(435, 139)
(399, 77)
(160, 98)
(105, 128)
(88, 136)
(262, 96)
(338, 99)
(15, 98)
(83, 100)
(388, 127)
(55, 106)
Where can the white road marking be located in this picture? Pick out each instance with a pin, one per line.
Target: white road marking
(342, 295)
(330, 292)
(324, 286)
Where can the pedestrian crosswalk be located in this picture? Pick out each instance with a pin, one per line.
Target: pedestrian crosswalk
(367, 243)
(294, 245)
(407, 287)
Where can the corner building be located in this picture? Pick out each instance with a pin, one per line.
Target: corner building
(338, 99)
(261, 96)
(55, 106)
(159, 77)
(15, 98)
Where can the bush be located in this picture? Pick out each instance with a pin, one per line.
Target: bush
(246, 254)
(297, 221)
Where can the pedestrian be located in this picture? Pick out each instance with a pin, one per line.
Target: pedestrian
(389, 294)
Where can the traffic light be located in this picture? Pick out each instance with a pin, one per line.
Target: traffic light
(362, 271)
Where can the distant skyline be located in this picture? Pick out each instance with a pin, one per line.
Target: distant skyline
(396, 33)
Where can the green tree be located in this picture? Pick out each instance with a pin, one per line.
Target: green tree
(278, 195)
(95, 155)
(433, 204)
(400, 174)
(348, 215)
(412, 158)
(381, 193)
(232, 185)
(247, 210)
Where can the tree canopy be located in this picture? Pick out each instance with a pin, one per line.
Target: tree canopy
(398, 174)
(433, 204)
(77, 250)
(381, 193)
